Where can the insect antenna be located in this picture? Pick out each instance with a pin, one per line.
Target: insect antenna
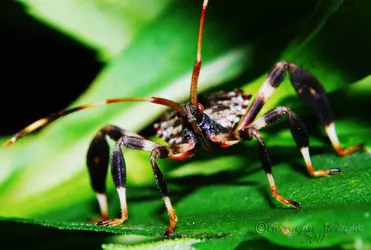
(44, 121)
(197, 66)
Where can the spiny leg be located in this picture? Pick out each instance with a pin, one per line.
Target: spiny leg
(97, 162)
(133, 141)
(298, 132)
(309, 90)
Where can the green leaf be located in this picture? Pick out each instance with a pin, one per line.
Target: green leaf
(240, 205)
(174, 244)
(217, 198)
(107, 26)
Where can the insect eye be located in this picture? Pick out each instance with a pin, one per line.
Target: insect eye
(199, 107)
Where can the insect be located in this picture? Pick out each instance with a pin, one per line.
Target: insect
(222, 119)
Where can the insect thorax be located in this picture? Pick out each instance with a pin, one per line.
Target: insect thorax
(222, 112)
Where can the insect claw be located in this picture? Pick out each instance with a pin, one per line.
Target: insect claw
(285, 201)
(103, 223)
(295, 204)
(335, 171)
(166, 235)
(114, 222)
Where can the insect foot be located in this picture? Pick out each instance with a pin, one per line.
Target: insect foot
(114, 222)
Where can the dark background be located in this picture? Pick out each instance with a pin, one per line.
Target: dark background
(27, 47)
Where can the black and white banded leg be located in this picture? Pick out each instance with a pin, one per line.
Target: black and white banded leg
(97, 162)
(299, 133)
(98, 165)
(309, 90)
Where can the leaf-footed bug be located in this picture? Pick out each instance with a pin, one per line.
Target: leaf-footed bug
(222, 119)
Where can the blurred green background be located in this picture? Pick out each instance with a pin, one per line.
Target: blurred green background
(61, 53)
(43, 70)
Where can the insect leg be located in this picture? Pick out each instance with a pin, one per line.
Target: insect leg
(252, 133)
(97, 161)
(274, 79)
(309, 90)
(298, 132)
(178, 152)
(133, 141)
(268, 170)
(312, 93)
(156, 153)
